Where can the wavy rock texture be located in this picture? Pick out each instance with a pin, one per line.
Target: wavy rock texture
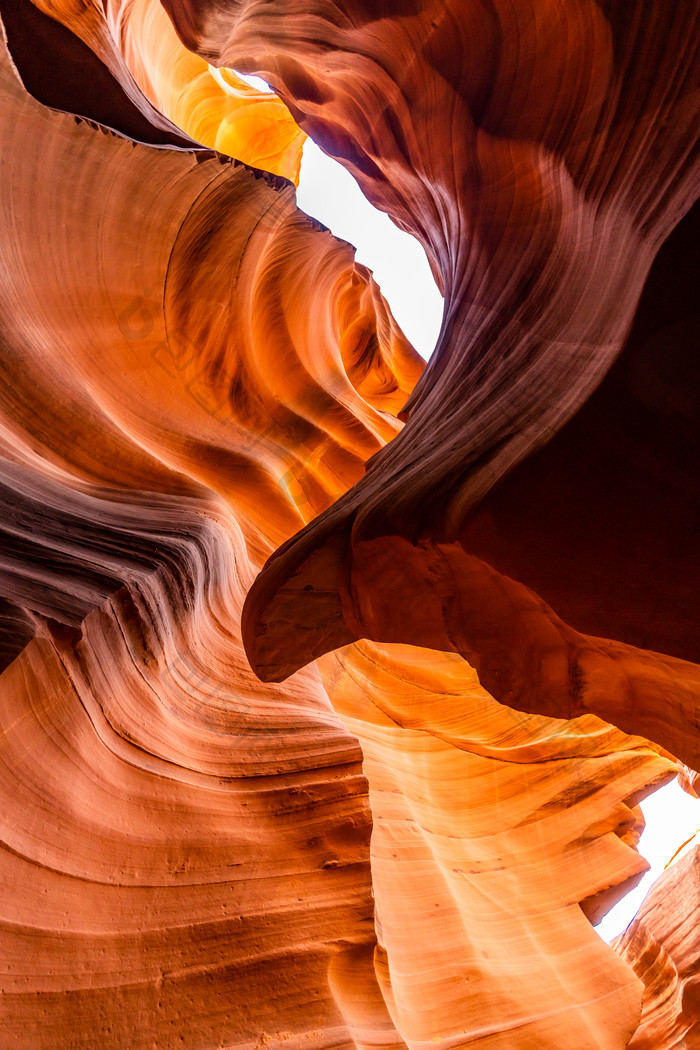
(194, 370)
(215, 108)
(495, 835)
(185, 849)
(662, 946)
(555, 175)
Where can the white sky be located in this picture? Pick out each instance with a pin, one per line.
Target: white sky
(329, 193)
(672, 816)
(399, 264)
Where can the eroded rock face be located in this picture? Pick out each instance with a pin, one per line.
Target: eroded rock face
(185, 849)
(662, 946)
(488, 827)
(193, 372)
(559, 172)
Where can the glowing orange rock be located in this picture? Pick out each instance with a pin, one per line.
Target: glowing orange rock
(157, 78)
(494, 835)
(194, 370)
(215, 107)
(662, 945)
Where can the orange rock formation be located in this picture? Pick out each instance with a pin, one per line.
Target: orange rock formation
(533, 213)
(406, 842)
(214, 106)
(662, 946)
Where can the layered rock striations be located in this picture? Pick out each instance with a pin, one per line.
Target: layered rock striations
(497, 839)
(662, 946)
(185, 849)
(378, 852)
(559, 173)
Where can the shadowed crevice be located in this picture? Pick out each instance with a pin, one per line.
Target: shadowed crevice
(61, 72)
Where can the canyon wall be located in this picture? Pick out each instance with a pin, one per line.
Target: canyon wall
(331, 682)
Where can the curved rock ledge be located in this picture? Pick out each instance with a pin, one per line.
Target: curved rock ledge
(543, 208)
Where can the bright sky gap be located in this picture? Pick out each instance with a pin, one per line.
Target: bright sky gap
(398, 262)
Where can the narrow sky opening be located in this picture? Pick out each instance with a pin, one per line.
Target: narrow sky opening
(329, 193)
(672, 816)
(255, 82)
(398, 262)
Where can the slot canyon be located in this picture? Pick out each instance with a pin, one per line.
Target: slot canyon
(331, 681)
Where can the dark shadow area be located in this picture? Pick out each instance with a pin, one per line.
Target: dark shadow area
(604, 521)
(61, 72)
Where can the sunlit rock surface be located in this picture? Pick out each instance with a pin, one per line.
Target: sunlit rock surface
(496, 837)
(663, 947)
(376, 853)
(215, 107)
(134, 43)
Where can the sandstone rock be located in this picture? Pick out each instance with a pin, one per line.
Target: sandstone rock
(378, 852)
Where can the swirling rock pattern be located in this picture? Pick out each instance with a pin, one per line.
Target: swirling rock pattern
(543, 209)
(185, 849)
(194, 371)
